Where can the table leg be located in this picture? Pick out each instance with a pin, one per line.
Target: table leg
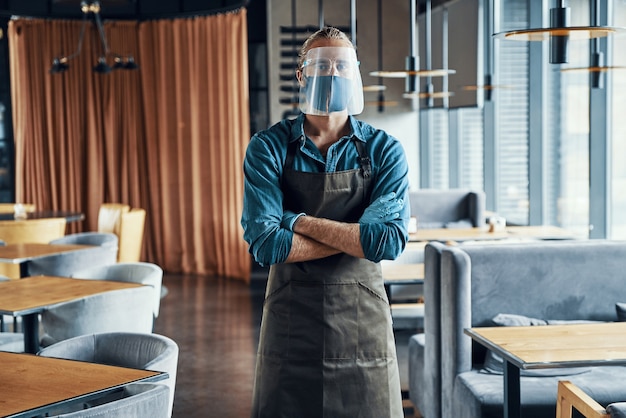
(30, 323)
(23, 269)
(512, 401)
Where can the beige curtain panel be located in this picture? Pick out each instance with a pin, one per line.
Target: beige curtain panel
(169, 138)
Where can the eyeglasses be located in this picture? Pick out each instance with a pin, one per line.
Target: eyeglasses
(327, 66)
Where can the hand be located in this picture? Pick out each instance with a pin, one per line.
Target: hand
(289, 219)
(384, 209)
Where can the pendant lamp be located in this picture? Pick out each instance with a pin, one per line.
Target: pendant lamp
(559, 33)
(380, 87)
(429, 95)
(60, 64)
(412, 72)
(596, 67)
(487, 87)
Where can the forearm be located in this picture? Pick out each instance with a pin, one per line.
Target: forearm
(343, 237)
(306, 249)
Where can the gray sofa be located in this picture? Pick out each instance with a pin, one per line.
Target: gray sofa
(438, 208)
(564, 281)
(449, 208)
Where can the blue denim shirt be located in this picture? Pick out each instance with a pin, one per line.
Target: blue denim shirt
(263, 197)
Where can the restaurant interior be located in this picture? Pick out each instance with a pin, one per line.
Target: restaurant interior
(123, 129)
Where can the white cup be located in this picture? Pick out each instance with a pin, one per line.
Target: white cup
(19, 211)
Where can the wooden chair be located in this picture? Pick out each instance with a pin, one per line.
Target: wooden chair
(569, 396)
(128, 224)
(110, 215)
(31, 230)
(131, 235)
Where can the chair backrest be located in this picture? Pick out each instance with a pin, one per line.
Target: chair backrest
(135, 350)
(449, 208)
(32, 230)
(137, 400)
(124, 310)
(103, 239)
(102, 253)
(137, 272)
(425, 378)
(131, 235)
(10, 207)
(109, 216)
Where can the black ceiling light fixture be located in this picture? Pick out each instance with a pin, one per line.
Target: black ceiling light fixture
(412, 72)
(89, 9)
(429, 93)
(559, 33)
(379, 88)
(596, 67)
(487, 87)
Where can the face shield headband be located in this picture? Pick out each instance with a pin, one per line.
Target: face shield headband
(331, 81)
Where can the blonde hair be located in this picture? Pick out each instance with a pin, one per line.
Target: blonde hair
(327, 32)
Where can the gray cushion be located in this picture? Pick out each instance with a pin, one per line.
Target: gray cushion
(482, 395)
(617, 410)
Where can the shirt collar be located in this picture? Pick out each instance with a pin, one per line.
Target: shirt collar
(297, 128)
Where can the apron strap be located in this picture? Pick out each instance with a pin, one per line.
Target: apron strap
(363, 159)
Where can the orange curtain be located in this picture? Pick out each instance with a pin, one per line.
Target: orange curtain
(169, 138)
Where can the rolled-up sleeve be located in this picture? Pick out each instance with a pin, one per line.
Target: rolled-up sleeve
(386, 241)
(263, 204)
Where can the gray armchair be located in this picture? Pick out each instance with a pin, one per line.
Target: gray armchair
(136, 350)
(135, 272)
(104, 252)
(103, 239)
(452, 208)
(124, 310)
(136, 400)
(545, 280)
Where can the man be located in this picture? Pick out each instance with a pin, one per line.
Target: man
(323, 204)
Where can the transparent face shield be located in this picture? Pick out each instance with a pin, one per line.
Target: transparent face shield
(331, 81)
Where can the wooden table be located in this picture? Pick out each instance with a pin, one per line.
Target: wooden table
(46, 214)
(30, 296)
(23, 253)
(540, 347)
(542, 232)
(477, 234)
(31, 385)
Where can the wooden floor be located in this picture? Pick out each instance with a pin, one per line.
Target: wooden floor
(215, 322)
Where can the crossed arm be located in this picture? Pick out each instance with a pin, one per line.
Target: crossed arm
(318, 237)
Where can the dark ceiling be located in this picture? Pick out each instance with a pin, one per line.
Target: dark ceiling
(119, 9)
(136, 9)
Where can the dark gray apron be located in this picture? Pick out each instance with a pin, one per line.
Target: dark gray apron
(326, 347)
